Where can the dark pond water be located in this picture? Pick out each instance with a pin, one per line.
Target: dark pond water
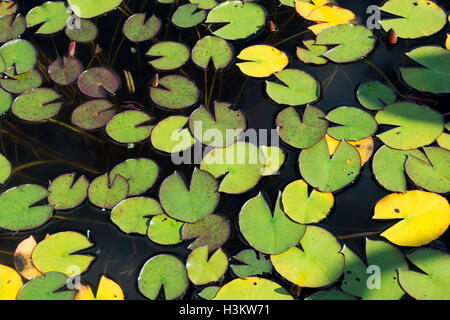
(121, 256)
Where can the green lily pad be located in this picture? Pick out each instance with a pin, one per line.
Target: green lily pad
(253, 264)
(188, 16)
(252, 288)
(202, 270)
(301, 133)
(51, 17)
(98, 82)
(350, 42)
(218, 130)
(65, 71)
(433, 173)
(357, 278)
(209, 293)
(304, 208)
(171, 135)
(168, 55)
(37, 105)
(313, 53)
(93, 114)
(129, 126)
(18, 209)
(298, 88)
(165, 230)
(86, 31)
(133, 215)
(6, 100)
(274, 159)
(289, 3)
(334, 295)
(213, 231)
(374, 95)
(329, 174)
(353, 124)
(163, 271)
(416, 125)
(389, 167)
(443, 140)
(433, 75)
(137, 29)
(57, 253)
(140, 173)
(241, 164)
(66, 193)
(189, 204)
(106, 193)
(5, 169)
(204, 4)
(12, 27)
(318, 263)
(241, 19)
(19, 53)
(266, 232)
(47, 286)
(434, 282)
(178, 92)
(214, 49)
(415, 18)
(89, 9)
(18, 83)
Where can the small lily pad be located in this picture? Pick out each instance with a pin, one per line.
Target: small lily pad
(11, 27)
(66, 193)
(65, 71)
(19, 53)
(106, 193)
(129, 126)
(51, 17)
(312, 53)
(351, 124)
(214, 49)
(209, 293)
(274, 159)
(93, 114)
(47, 286)
(374, 95)
(202, 270)
(137, 29)
(98, 82)
(37, 105)
(252, 288)
(168, 55)
(178, 92)
(253, 264)
(188, 16)
(165, 230)
(171, 135)
(86, 31)
(213, 231)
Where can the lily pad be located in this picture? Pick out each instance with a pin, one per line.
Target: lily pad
(106, 193)
(7, 7)
(169, 55)
(37, 105)
(6, 100)
(18, 83)
(11, 27)
(364, 146)
(90, 9)
(204, 4)
(51, 17)
(266, 232)
(165, 230)
(5, 169)
(10, 283)
(18, 209)
(171, 135)
(209, 293)
(214, 49)
(352, 124)
(47, 286)
(374, 95)
(86, 31)
(23, 260)
(107, 290)
(252, 288)
(301, 133)
(253, 264)
(98, 82)
(202, 270)
(137, 29)
(19, 53)
(312, 53)
(213, 231)
(163, 271)
(189, 204)
(178, 92)
(129, 126)
(65, 71)
(66, 193)
(274, 159)
(93, 114)
(263, 61)
(188, 16)
(415, 125)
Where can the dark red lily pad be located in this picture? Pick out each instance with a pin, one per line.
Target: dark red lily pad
(65, 71)
(98, 82)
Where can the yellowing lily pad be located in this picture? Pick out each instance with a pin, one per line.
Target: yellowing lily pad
(23, 260)
(274, 159)
(10, 283)
(107, 290)
(252, 288)
(263, 61)
(364, 146)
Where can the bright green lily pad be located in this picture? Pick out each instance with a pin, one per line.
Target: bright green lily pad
(137, 29)
(11, 27)
(165, 230)
(129, 126)
(19, 83)
(352, 124)
(86, 31)
(37, 105)
(93, 114)
(374, 95)
(193, 203)
(214, 49)
(253, 264)
(51, 17)
(204, 4)
(5, 169)
(252, 288)
(106, 193)
(66, 193)
(188, 16)
(19, 53)
(140, 173)
(266, 232)
(213, 231)
(178, 92)
(89, 9)
(47, 287)
(202, 270)
(65, 71)
(312, 53)
(168, 55)
(6, 100)
(171, 135)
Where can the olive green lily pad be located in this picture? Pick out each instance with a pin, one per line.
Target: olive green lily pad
(374, 95)
(298, 88)
(434, 282)
(359, 282)
(51, 17)
(137, 29)
(18, 209)
(204, 4)
(178, 92)
(165, 230)
(133, 215)
(304, 208)
(416, 125)
(66, 193)
(318, 263)
(18, 83)
(444, 141)
(171, 135)
(6, 100)
(86, 31)
(213, 231)
(168, 55)
(253, 264)
(214, 49)
(289, 3)
(140, 173)
(47, 286)
(163, 271)
(433, 75)
(93, 114)
(5, 169)
(202, 270)
(252, 288)
(65, 71)
(188, 16)
(129, 126)
(209, 293)
(219, 129)
(57, 252)
(334, 295)
(98, 82)
(7, 7)
(241, 19)
(189, 204)
(241, 164)
(301, 133)
(415, 18)
(352, 124)
(11, 27)
(274, 159)
(330, 174)
(266, 232)
(37, 105)
(106, 193)
(19, 53)
(350, 42)
(312, 53)
(90, 9)
(432, 174)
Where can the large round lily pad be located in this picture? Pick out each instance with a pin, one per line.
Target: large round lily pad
(65, 71)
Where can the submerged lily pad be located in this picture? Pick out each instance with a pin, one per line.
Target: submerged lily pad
(374, 95)
(37, 105)
(188, 15)
(253, 264)
(178, 92)
(212, 231)
(93, 114)
(19, 53)
(252, 288)
(11, 27)
(165, 230)
(105, 193)
(137, 29)
(86, 31)
(90, 9)
(66, 193)
(214, 49)
(129, 126)
(47, 286)
(171, 135)
(202, 270)
(51, 17)
(352, 124)
(65, 71)
(98, 82)
(168, 55)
